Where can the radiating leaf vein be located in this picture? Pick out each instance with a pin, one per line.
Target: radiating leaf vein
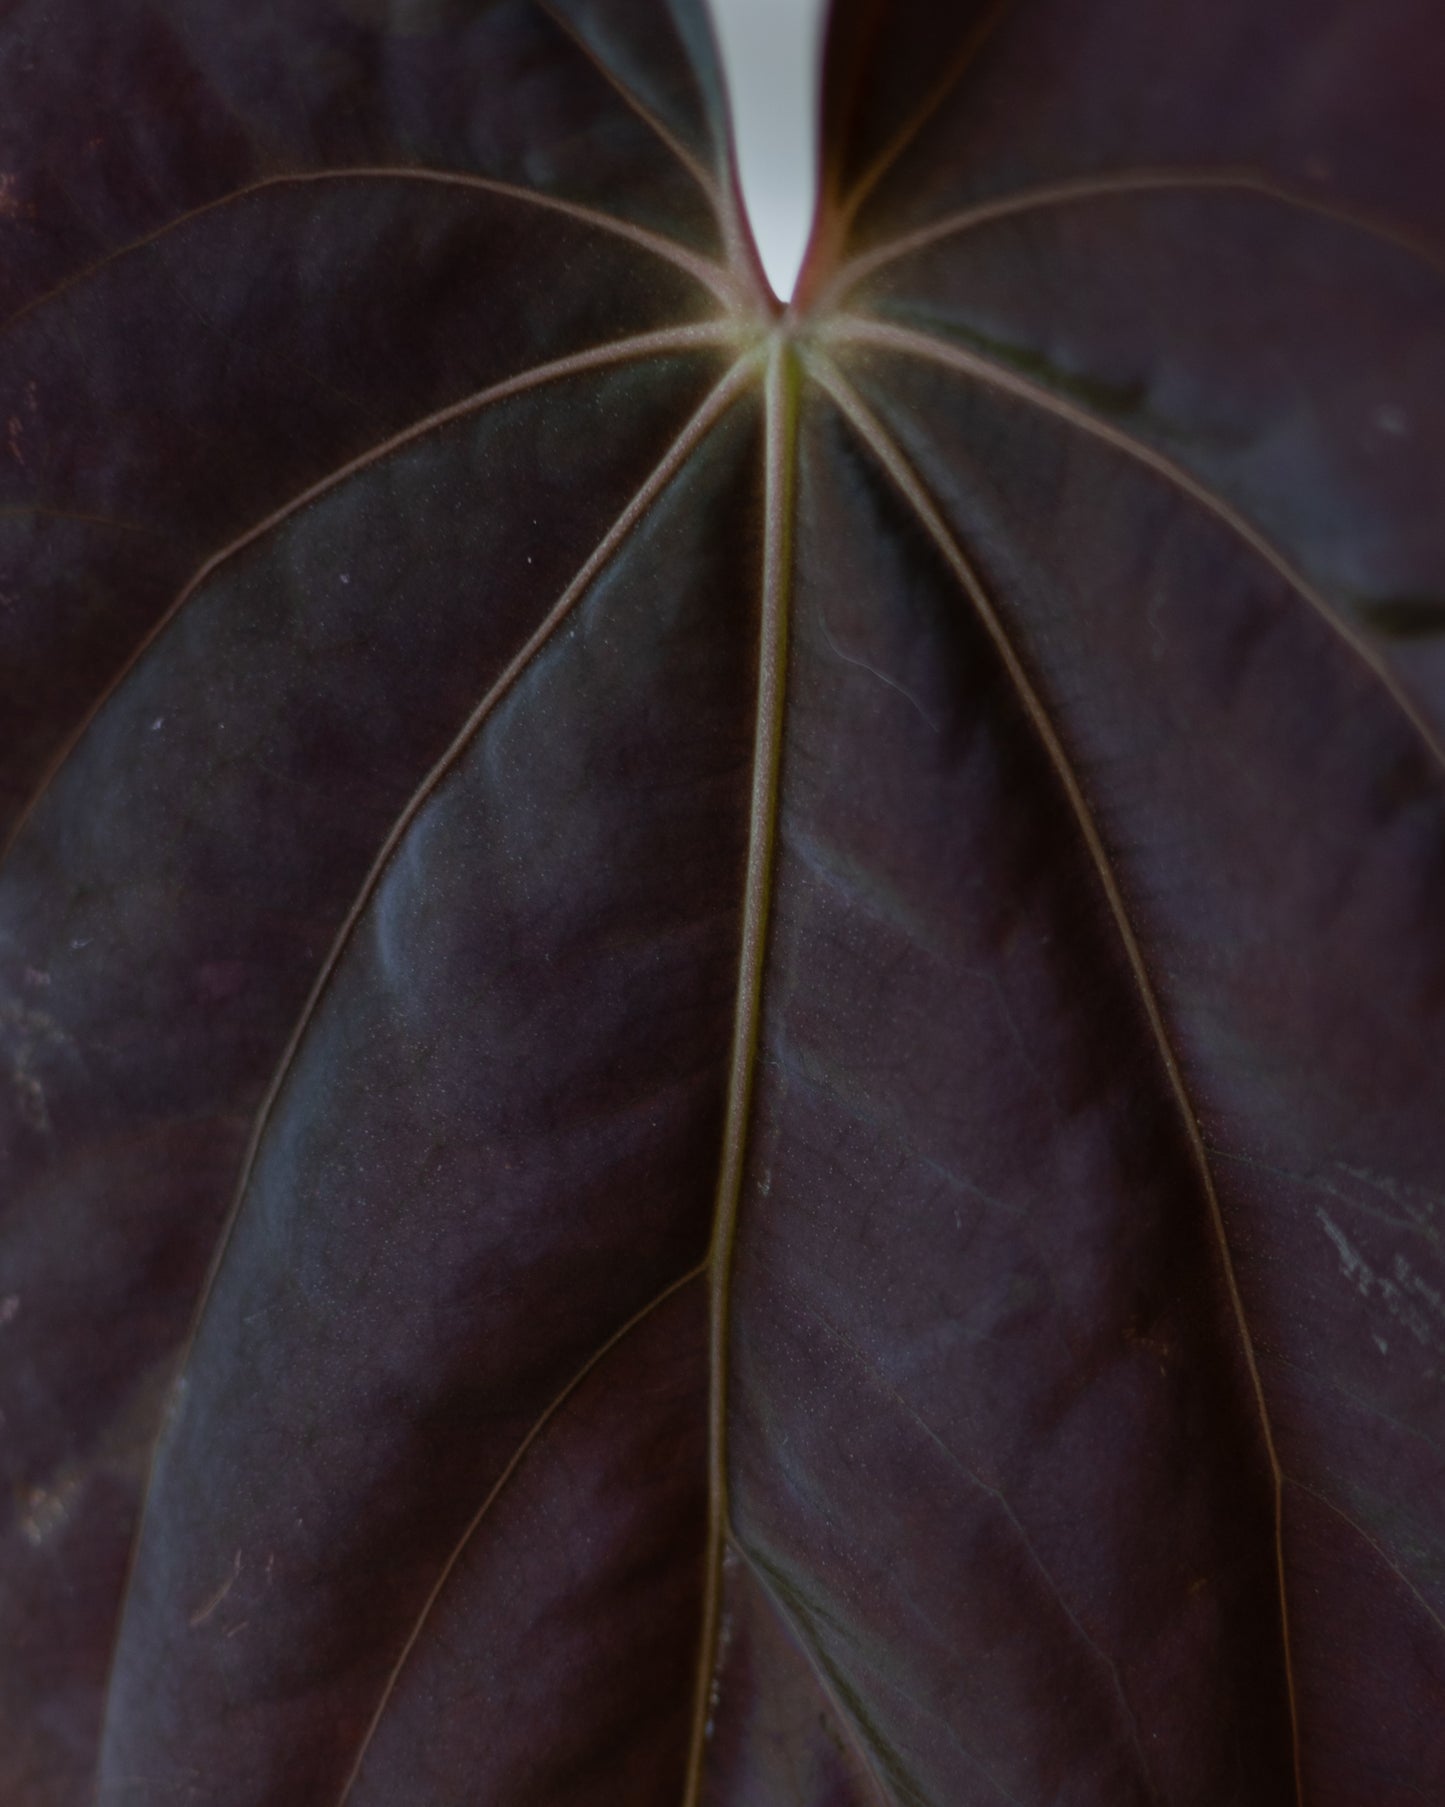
(598, 357)
(519, 1456)
(909, 485)
(713, 407)
(855, 329)
(713, 276)
(1161, 181)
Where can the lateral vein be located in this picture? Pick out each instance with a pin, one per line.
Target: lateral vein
(713, 276)
(597, 357)
(958, 66)
(713, 407)
(873, 434)
(634, 101)
(1163, 180)
(855, 329)
(519, 1455)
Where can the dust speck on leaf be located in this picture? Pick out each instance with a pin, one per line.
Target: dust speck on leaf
(46, 1510)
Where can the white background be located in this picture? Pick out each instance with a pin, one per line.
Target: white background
(770, 51)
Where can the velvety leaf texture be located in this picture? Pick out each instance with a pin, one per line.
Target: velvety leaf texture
(721, 1026)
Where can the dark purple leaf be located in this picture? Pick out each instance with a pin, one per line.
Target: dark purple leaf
(721, 1029)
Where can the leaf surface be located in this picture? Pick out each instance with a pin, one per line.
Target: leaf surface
(721, 1026)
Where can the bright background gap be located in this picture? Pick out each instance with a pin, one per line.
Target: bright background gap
(771, 51)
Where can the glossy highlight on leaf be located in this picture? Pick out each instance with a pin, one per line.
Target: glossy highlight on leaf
(721, 1024)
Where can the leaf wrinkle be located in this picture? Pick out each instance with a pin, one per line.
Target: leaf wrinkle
(818, 1673)
(772, 1581)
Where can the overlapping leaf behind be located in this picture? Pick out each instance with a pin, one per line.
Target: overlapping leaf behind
(722, 1029)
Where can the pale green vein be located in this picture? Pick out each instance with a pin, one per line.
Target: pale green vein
(957, 67)
(712, 409)
(1125, 183)
(906, 481)
(781, 428)
(849, 329)
(631, 99)
(598, 357)
(519, 1456)
(711, 275)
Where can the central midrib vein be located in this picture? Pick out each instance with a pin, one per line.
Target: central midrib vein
(780, 418)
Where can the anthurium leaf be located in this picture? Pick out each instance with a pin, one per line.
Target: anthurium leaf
(1137, 321)
(349, 374)
(721, 1029)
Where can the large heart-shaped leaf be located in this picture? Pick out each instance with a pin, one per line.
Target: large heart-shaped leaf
(722, 1027)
